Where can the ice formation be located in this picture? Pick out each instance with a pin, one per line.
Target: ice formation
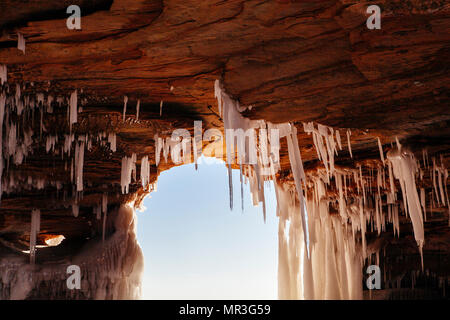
(109, 270)
(334, 269)
(349, 133)
(145, 172)
(75, 209)
(404, 167)
(2, 114)
(16, 140)
(35, 228)
(237, 128)
(321, 255)
(338, 139)
(160, 108)
(326, 147)
(138, 105)
(128, 167)
(3, 74)
(125, 101)
(112, 139)
(79, 161)
(322, 242)
(104, 203)
(20, 42)
(380, 147)
(73, 108)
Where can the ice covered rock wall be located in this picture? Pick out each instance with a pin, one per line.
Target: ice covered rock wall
(109, 270)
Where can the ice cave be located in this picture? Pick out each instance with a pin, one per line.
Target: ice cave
(347, 123)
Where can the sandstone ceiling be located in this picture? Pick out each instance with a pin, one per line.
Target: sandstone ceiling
(293, 61)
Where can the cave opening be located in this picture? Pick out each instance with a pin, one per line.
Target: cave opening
(195, 247)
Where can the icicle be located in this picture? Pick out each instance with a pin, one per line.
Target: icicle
(422, 202)
(3, 74)
(348, 142)
(137, 109)
(381, 150)
(160, 108)
(433, 172)
(338, 139)
(324, 153)
(20, 42)
(299, 178)
(218, 95)
(104, 202)
(125, 101)
(35, 228)
(79, 161)
(105, 214)
(128, 166)
(145, 172)
(391, 181)
(112, 139)
(73, 109)
(98, 212)
(404, 167)
(230, 185)
(361, 181)
(441, 189)
(2, 113)
(159, 145)
(242, 187)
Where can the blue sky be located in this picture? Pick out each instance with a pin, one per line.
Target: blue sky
(196, 248)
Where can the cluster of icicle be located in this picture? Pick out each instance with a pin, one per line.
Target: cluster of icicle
(333, 269)
(19, 110)
(138, 107)
(265, 150)
(129, 170)
(321, 254)
(111, 269)
(22, 127)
